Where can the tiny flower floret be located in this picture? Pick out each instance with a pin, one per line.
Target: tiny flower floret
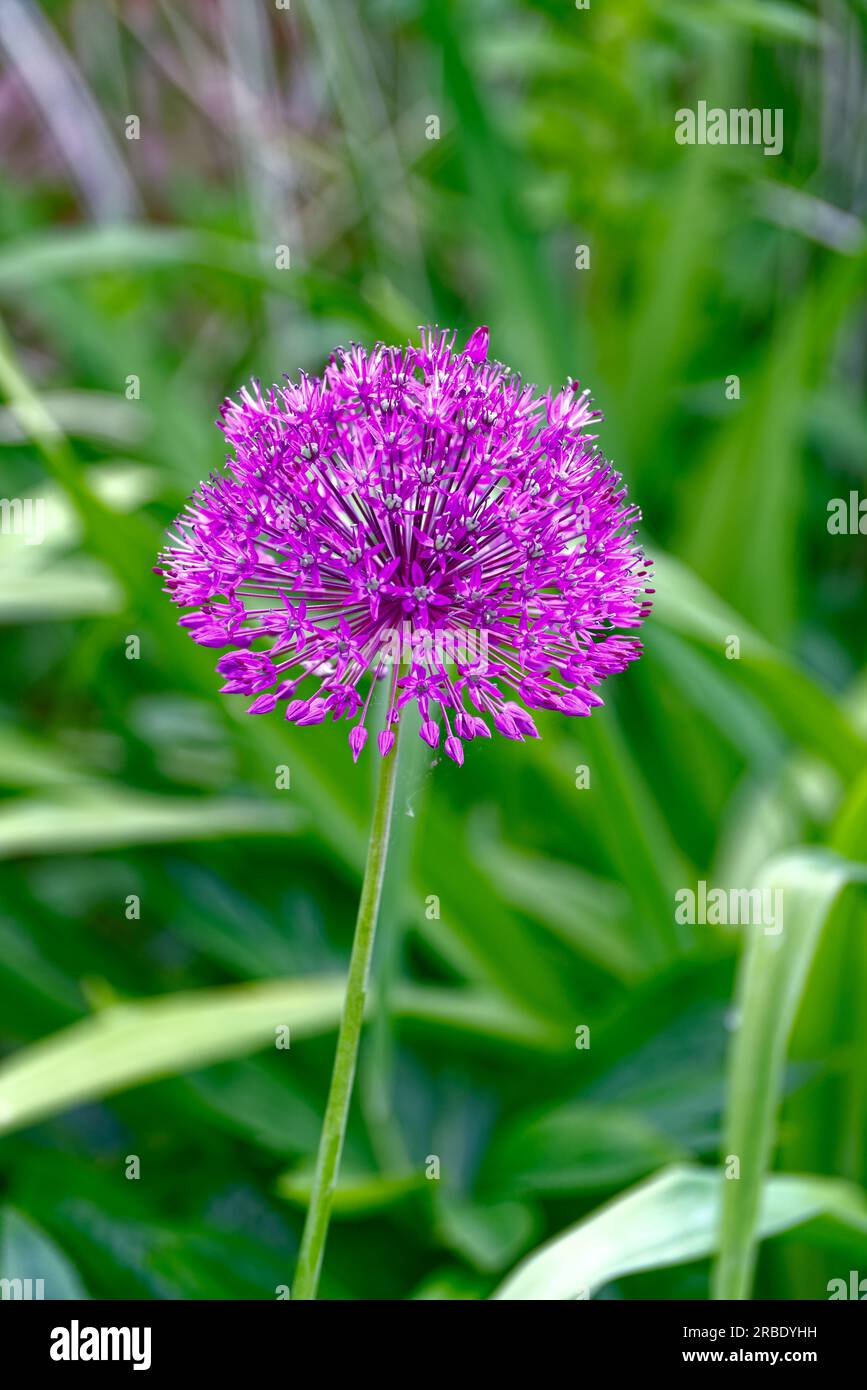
(417, 516)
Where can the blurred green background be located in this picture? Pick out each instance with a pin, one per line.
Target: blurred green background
(166, 906)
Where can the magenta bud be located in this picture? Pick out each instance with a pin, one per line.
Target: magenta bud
(317, 709)
(522, 720)
(505, 724)
(385, 739)
(477, 346)
(263, 705)
(455, 750)
(357, 740)
(430, 732)
(573, 705)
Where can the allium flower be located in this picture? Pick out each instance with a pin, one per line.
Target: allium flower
(421, 516)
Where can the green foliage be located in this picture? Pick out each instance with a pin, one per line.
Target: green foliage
(556, 1070)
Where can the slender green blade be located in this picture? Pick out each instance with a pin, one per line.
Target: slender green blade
(674, 1218)
(774, 975)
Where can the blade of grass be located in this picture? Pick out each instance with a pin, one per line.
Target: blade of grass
(671, 1219)
(773, 978)
(801, 707)
(106, 817)
(66, 104)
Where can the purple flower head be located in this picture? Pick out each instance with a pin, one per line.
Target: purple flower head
(420, 516)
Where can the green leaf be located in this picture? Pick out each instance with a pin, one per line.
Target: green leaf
(629, 819)
(660, 331)
(127, 248)
(448, 1283)
(802, 708)
(493, 943)
(61, 592)
(264, 1104)
(482, 1014)
(531, 314)
(774, 973)
(489, 1236)
(755, 466)
(97, 415)
(672, 1219)
(107, 817)
(849, 831)
(575, 1148)
(26, 761)
(777, 21)
(149, 1256)
(589, 914)
(127, 1044)
(26, 1252)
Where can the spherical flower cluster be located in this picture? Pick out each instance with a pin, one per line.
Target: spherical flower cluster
(418, 516)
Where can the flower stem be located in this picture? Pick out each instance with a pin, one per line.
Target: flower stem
(346, 1056)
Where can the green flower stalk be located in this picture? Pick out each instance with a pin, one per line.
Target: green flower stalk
(346, 1056)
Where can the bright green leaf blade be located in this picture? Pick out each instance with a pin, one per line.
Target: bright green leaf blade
(849, 831)
(774, 975)
(61, 593)
(108, 818)
(674, 1218)
(131, 1043)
